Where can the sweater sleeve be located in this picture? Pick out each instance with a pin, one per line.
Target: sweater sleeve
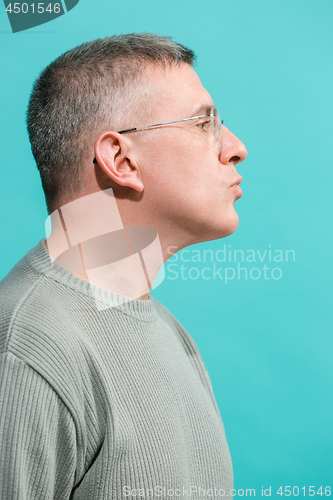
(37, 436)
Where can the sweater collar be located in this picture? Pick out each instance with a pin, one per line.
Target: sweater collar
(40, 259)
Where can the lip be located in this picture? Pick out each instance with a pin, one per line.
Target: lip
(236, 186)
(237, 182)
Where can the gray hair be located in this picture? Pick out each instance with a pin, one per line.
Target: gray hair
(79, 93)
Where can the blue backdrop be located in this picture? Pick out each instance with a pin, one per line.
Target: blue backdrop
(260, 316)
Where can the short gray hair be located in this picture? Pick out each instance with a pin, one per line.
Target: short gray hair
(79, 93)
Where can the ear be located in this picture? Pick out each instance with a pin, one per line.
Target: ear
(114, 156)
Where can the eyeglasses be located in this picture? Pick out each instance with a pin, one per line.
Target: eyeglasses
(215, 120)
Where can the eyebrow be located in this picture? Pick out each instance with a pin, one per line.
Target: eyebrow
(203, 110)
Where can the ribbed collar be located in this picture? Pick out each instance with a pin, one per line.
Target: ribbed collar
(40, 259)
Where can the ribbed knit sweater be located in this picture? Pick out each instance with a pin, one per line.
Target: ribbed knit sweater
(101, 404)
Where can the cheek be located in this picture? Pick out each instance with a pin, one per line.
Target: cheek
(171, 163)
(184, 175)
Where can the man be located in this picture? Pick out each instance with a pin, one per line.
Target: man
(104, 394)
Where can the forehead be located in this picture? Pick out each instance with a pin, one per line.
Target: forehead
(177, 91)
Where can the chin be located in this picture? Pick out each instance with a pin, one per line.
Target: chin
(221, 226)
(226, 226)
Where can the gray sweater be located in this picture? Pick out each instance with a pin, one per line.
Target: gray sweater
(101, 404)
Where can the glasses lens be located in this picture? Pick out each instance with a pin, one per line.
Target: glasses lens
(216, 123)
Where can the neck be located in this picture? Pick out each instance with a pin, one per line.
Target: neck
(88, 239)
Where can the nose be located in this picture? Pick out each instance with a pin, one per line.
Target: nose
(233, 150)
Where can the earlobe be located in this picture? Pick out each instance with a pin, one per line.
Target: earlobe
(128, 174)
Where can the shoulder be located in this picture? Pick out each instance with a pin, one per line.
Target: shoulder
(38, 327)
(33, 311)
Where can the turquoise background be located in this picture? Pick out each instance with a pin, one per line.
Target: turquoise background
(267, 343)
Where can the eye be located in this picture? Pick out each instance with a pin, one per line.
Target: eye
(204, 125)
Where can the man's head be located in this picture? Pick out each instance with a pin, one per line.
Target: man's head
(176, 178)
(97, 86)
